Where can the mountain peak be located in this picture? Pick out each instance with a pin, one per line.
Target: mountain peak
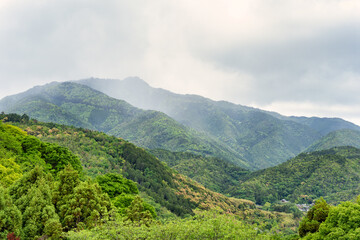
(135, 81)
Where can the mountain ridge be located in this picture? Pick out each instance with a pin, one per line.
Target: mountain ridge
(263, 138)
(332, 174)
(79, 105)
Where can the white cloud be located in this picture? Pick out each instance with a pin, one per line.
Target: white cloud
(258, 52)
(309, 109)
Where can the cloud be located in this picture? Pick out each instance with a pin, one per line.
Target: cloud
(256, 52)
(309, 109)
(61, 40)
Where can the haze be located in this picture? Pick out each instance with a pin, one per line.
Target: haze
(292, 57)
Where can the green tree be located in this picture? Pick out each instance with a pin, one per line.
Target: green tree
(137, 214)
(80, 204)
(342, 222)
(314, 217)
(9, 171)
(115, 184)
(33, 197)
(10, 216)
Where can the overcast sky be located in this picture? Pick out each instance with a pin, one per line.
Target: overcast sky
(296, 57)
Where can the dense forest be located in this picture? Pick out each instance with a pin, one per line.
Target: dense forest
(62, 182)
(332, 173)
(211, 172)
(106, 187)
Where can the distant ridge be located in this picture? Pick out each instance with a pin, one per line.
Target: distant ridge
(332, 174)
(263, 138)
(344, 137)
(79, 105)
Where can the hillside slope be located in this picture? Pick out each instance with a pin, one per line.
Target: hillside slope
(333, 174)
(81, 106)
(100, 154)
(263, 138)
(212, 173)
(345, 137)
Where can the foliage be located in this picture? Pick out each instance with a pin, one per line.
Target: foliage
(32, 196)
(10, 216)
(101, 154)
(159, 185)
(137, 214)
(344, 137)
(12, 236)
(212, 173)
(9, 171)
(331, 173)
(314, 217)
(19, 149)
(80, 203)
(342, 222)
(287, 208)
(115, 184)
(205, 226)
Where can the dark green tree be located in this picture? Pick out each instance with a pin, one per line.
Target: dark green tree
(115, 184)
(314, 217)
(80, 204)
(33, 197)
(10, 216)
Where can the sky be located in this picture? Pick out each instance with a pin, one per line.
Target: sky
(295, 57)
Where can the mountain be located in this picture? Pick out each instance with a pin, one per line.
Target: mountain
(35, 174)
(75, 104)
(333, 174)
(100, 154)
(30, 194)
(262, 138)
(345, 137)
(325, 125)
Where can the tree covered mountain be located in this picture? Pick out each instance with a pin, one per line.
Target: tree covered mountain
(81, 106)
(101, 154)
(332, 174)
(345, 137)
(263, 138)
(111, 162)
(325, 125)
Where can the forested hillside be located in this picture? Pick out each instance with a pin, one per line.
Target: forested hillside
(213, 173)
(41, 190)
(263, 138)
(345, 137)
(52, 180)
(333, 174)
(78, 105)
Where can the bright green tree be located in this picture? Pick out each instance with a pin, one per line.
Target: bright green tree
(115, 184)
(9, 171)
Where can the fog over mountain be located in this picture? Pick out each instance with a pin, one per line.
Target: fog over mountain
(264, 138)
